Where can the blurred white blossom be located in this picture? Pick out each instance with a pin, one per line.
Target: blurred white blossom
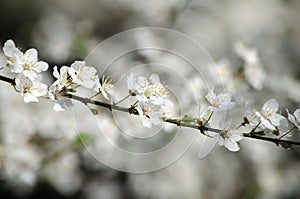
(21, 162)
(220, 102)
(294, 118)
(253, 70)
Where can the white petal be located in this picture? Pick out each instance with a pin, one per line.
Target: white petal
(270, 107)
(31, 55)
(293, 118)
(40, 66)
(9, 48)
(276, 119)
(267, 124)
(104, 94)
(297, 115)
(146, 122)
(219, 139)
(39, 89)
(55, 72)
(154, 78)
(77, 65)
(236, 135)
(17, 68)
(31, 75)
(231, 145)
(29, 97)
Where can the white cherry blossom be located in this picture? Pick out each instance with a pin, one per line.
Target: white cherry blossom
(269, 117)
(59, 87)
(63, 78)
(136, 84)
(27, 63)
(294, 118)
(151, 90)
(220, 102)
(30, 89)
(84, 75)
(250, 114)
(107, 88)
(229, 139)
(152, 97)
(150, 114)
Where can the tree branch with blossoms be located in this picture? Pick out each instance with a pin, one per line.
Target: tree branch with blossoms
(152, 102)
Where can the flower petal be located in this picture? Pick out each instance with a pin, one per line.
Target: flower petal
(31, 55)
(40, 66)
(29, 97)
(270, 107)
(9, 48)
(231, 145)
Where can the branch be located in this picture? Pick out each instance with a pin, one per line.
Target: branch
(8, 80)
(177, 122)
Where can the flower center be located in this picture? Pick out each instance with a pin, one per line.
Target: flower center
(12, 60)
(224, 134)
(27, 66)
(26, 89)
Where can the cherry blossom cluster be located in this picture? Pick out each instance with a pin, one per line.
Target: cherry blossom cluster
(150, 98)
(28, 69)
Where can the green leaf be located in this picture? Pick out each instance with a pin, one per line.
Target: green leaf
(82, 138)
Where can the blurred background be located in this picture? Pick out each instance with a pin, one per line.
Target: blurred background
(41, 155)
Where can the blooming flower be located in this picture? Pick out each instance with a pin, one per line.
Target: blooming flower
(84, 75)
(107, 88)
(59, 87)
(64, 80)
(152, 96)
(152, 90)
(268, 116)
(30, 89)
(229, 139)
(149, 113)
(295, 118)
(27, 63)
(250, 114)
(220, 102)
(137, 84)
